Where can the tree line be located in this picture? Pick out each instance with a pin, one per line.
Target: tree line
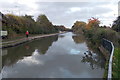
(95, 33)
(20, 24)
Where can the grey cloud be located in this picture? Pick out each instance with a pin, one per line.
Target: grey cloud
(14, 8)
(57, 12)
(71, 4)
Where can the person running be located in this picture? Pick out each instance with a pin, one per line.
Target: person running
(27, 33)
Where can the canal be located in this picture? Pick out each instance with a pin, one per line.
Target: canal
(61, 56)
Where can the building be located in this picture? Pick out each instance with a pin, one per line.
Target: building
(0, 21)
(119, 8)
(0, 16)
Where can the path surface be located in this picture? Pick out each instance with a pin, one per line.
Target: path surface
(23, 40)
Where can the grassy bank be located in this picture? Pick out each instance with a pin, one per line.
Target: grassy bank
(94, 36)
(106, 70)
(116, 64)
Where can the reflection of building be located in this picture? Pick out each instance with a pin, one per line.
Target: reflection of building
(119, 8)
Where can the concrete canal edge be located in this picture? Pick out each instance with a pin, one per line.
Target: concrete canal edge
(24, 40)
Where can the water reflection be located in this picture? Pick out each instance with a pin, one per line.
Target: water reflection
(43, 44)
(45, 58)
(61, 35)
(31, 59)
(78, 39)
(13, 54)
(95, 60)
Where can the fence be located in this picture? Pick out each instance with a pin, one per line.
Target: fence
(110, 47)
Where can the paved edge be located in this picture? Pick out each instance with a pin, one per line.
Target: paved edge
(24, 40)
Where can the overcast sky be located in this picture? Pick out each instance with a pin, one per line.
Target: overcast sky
(64, 13)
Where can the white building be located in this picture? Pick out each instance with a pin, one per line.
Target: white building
(119, 8)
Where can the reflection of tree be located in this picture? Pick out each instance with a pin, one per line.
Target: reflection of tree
(18, 52)
(93, 59)
(91, 46)
(78, 39)
(61, 36)
(44, 43)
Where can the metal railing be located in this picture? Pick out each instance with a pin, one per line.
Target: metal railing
(111, 50)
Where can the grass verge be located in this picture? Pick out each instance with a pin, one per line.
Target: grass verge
(116, 64)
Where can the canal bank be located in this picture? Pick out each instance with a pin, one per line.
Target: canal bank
(13, 43)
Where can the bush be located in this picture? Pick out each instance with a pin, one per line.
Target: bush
(96, 36)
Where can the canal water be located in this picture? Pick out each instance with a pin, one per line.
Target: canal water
(60, 56)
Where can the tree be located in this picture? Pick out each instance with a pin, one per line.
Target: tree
(116, 24)
(93, 23)
(44, 24)
(60, 27)
(14, 22)
(42, 19)
(20, 24)
(79, 27)
(28, 23)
